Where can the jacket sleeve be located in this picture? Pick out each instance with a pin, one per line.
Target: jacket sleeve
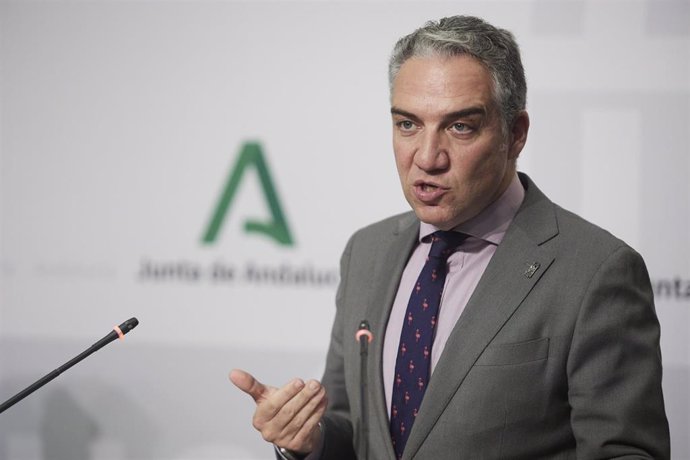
(336, 424)
(614, 365)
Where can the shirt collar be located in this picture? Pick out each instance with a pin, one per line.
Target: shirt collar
(491, 223)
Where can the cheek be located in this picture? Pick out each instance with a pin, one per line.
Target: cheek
(403, 158)
(487, 161)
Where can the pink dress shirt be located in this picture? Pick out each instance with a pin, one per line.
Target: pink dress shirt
(465, 268)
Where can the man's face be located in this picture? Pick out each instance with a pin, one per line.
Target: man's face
(452, 155)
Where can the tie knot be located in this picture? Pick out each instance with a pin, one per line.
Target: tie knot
(443, 243)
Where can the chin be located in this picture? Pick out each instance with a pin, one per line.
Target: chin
(438, 219)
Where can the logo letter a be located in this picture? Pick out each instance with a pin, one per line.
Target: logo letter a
(251, 155)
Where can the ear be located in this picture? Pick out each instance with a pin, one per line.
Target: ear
(518, 135)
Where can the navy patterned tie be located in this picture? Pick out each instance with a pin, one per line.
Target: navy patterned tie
(412, 365)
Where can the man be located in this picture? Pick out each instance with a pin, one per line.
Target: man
(544, 343)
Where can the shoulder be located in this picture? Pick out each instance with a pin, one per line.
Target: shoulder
(386, 228)
(549, 224)
(573, 227)
(395, 233)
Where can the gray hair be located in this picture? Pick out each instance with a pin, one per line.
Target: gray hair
(494, 48)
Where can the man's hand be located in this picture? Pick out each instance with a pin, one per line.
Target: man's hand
(289, 416)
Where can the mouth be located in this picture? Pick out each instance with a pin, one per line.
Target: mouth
(428, 192)
(428, 187)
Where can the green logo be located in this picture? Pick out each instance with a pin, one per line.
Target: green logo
(277, 228)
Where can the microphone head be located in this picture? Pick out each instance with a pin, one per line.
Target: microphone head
(364, 331)
(128, 325)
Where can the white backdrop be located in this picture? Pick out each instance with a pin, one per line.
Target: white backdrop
(120, 122)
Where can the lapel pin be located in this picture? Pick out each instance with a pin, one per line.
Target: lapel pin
(532, 269)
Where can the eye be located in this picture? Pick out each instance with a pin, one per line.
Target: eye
(405, 125)
(461, 128)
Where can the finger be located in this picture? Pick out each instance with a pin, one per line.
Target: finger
(305, 412)
(293, 408)
(306, 439)
(275, 403)
(247, 383)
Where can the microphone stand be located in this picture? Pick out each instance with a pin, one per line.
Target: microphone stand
(118, 331)
(364, 336)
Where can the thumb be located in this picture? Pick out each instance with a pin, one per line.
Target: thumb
(247, 383)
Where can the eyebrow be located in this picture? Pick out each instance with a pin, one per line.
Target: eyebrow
(446, 118)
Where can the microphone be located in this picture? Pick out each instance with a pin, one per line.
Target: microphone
(117, 332)
(364, 336)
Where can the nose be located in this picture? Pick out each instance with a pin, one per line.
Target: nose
(432, 152)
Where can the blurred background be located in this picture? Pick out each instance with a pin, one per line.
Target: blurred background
(122, 123)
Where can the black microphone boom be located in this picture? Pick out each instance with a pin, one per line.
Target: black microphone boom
(118, 331)
(364, 336)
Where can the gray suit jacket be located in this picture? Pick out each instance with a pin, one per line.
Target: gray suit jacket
(558, 362)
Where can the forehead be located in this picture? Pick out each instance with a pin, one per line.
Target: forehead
(437, 84)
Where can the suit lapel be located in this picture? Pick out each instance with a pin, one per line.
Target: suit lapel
(387, 273)
(517, 265)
